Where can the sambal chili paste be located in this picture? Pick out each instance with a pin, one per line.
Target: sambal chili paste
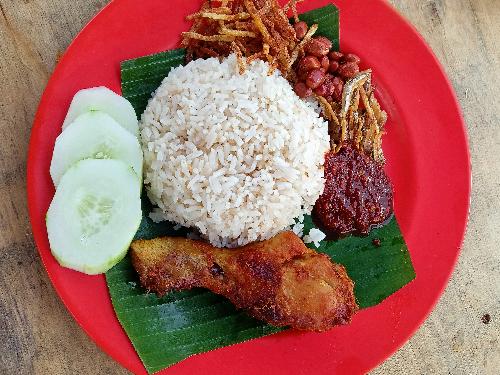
(357, 195)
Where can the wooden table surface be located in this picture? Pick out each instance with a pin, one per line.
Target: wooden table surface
(37, 334)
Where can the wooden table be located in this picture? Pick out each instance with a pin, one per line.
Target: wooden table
(37, 334)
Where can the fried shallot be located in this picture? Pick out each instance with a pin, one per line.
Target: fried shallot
(251, 28)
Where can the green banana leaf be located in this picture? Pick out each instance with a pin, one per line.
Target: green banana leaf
(167, 330)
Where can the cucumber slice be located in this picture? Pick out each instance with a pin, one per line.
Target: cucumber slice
(103, 99)
(94, 135)
(94, 215)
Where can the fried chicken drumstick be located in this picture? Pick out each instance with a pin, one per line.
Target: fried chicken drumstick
(280, 280)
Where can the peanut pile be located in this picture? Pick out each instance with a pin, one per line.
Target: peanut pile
(322, 71)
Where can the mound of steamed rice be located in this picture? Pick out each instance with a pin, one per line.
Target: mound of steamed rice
(238, 157)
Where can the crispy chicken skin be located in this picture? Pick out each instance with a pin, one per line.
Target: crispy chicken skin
(280, 280)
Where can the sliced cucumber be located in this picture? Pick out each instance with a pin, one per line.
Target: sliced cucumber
(103, 99)
(94, 135)
(94, 215)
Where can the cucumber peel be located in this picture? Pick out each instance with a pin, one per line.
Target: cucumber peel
(94, 215)
(105, 100)
(94, 135)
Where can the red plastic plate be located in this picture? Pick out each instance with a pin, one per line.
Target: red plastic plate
(428, 161)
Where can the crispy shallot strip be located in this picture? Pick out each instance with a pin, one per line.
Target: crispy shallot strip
(261, 27)
(208, 51)
(208, 38)
(255, 56)
(329, 114)
(239, 57)
(265, 9)
(292, 4)
(328, 111)
(241, 33)
(242, 48)
(197, 21)
(240, 25)
(258, 21)
(216, 14)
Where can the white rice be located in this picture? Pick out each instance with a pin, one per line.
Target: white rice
(238, 157)
(298, 229)
(315, 236)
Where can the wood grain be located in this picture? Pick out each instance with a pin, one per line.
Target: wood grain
(37, 334)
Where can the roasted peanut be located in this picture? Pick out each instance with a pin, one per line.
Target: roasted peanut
(326, 89)
(318, 47)
(338, 87)
(350, 57)
(325, 63)
(348, 70)
(300, 29)
(315, 78)
(302, 90)
(335, 55)
(309, 63)
(334, 65)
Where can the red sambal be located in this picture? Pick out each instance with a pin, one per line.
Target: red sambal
(357, 195)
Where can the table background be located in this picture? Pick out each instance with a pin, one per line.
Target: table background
(37, 334)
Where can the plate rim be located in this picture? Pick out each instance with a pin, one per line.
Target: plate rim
(40, 238)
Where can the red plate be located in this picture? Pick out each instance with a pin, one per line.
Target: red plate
(428, 162)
